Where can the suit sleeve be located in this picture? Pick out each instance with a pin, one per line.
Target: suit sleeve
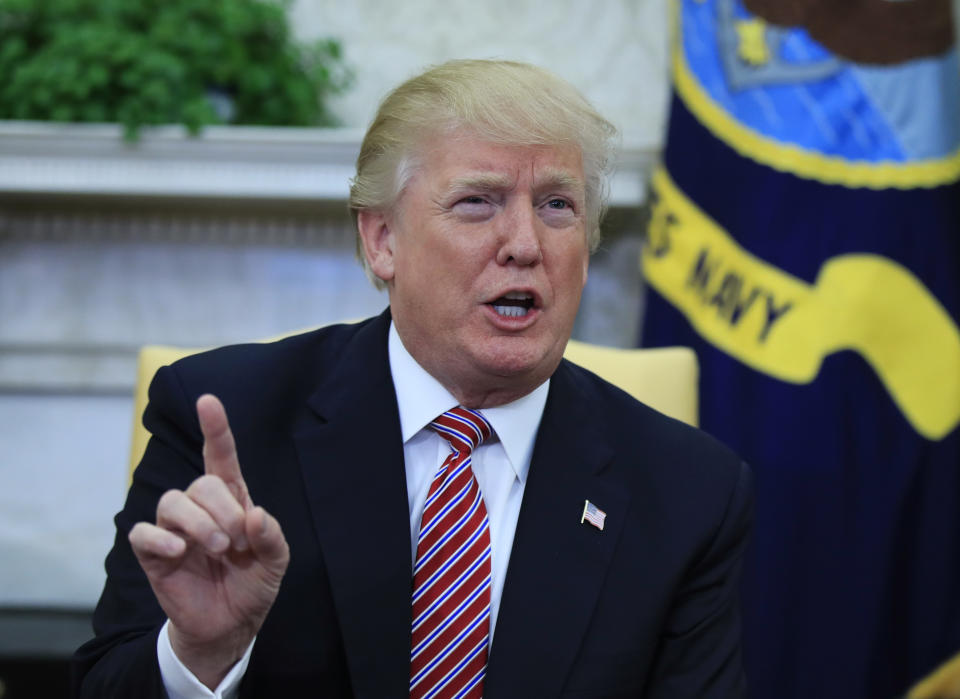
(121, 661)
(700, 651)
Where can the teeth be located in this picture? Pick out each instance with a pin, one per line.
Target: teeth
(510, 311)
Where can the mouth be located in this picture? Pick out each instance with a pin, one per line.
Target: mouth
(514, 304)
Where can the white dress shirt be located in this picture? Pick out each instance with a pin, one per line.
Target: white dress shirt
(500, 465)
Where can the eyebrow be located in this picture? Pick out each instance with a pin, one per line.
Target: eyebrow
(562, 179)
(492, 181)
(484, 181)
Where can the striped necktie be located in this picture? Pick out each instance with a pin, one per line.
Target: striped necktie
(451, 579)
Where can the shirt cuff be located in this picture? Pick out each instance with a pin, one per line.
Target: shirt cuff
(180, 683)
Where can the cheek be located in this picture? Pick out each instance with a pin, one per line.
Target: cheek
(439, 289)
(575, 266)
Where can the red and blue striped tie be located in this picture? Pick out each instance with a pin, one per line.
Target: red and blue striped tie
(451, 579)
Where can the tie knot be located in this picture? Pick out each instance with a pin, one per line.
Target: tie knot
(465, 429)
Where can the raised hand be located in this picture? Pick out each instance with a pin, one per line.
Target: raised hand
(213, 559)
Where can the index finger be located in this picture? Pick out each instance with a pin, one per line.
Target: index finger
(219, 449)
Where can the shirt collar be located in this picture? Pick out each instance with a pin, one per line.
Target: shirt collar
(420, 398)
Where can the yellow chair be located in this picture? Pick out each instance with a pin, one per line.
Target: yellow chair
(664, 378)
(942, 683)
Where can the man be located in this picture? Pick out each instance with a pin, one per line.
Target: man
(443, 506)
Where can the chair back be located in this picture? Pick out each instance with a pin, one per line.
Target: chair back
(663, 378)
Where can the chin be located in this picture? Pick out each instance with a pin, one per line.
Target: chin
(516, 356)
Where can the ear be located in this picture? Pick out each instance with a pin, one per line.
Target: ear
(376, 232)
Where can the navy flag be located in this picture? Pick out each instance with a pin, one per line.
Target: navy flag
(805, 240)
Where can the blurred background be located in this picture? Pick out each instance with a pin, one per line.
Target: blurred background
(116, 236)
(177, 173)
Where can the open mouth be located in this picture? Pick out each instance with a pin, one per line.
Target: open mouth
(513, 304)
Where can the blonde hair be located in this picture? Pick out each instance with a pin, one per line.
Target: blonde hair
(500, 101)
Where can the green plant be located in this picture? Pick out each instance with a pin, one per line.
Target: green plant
(141, 62)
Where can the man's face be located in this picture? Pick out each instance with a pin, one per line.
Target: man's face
(485, 258)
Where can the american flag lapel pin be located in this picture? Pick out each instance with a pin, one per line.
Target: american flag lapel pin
(593, 514)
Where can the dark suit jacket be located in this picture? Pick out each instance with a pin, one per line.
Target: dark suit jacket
(646, 607)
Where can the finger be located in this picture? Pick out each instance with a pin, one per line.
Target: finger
(150, 541)
(219, 448)
(267, 541)
(213, 495)
(178, 513)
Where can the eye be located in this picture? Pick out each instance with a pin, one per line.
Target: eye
(558, 212)
(473, 201)
(474, 207)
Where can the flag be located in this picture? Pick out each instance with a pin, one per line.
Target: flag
(805, 240)
(593, 515)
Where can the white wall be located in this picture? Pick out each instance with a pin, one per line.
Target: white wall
(74, 301)
(614, 51)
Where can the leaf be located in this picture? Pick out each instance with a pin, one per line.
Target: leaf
(146, 61)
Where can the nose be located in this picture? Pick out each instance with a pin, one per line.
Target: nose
(520, 237)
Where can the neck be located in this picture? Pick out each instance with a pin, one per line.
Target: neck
(477, 400)
(471, 383)
(481, 391)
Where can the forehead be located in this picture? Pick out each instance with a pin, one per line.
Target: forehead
(455, 160)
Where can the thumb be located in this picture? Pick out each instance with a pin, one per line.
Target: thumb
(267, 541)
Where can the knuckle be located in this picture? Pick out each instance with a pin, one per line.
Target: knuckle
(140, 538)
(205, 486)
(168, 500)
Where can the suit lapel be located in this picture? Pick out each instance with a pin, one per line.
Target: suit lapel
(351, 456)
(356, 488)
(557, 565)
